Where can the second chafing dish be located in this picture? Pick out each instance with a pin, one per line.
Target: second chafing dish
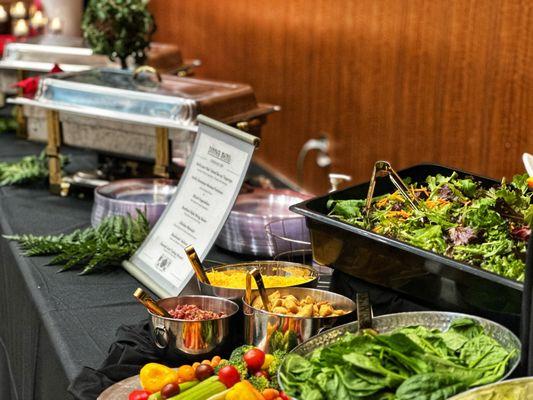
(39, 54)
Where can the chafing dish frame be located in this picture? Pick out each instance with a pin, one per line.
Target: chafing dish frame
(249, 121)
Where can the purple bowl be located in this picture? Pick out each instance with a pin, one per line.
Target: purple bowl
(244, 231)
(125, 196)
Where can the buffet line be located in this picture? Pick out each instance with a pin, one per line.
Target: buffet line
(271, 329)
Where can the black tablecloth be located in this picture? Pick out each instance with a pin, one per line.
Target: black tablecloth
(53, 323)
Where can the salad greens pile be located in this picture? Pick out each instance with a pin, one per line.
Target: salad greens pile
(405, 364)
(459, 218)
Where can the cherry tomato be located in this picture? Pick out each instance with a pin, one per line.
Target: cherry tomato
(186, 373)
(169, 390)
(229, 375)
(262, 373)
(204, 371)
(254, 359)
(139, 395)
(284, 396)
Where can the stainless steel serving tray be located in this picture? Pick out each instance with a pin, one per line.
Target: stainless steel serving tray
(428, 319)
(424, 276)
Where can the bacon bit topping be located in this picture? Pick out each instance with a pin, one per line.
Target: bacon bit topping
(192, 312)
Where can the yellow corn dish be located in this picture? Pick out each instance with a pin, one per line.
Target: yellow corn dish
(236, 279)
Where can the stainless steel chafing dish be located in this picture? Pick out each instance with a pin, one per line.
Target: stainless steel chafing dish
(134, 115)
(38, 55)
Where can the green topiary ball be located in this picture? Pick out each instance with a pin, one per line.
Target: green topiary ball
(119, 28)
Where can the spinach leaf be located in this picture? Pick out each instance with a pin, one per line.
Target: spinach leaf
(432, 386)
(372, 365)
(466, 327)
(355, 385)
(482, 352)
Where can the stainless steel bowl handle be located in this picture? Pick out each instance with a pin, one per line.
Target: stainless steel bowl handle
(161, 337)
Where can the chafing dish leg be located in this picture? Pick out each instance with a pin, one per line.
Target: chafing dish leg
(19, 110)
(162, 153)
(52, 150)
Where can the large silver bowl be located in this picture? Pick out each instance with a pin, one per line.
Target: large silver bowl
(193, 339)
(281, 268)
(514, 389)
(428, 319)
(270, 331)
(126, 196)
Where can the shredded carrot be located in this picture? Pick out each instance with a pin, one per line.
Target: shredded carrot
(401, 213)
(430, 203)
(382, 202)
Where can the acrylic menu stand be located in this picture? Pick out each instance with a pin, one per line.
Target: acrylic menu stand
(198, 209)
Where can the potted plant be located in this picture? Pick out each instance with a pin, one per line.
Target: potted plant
(119, 29)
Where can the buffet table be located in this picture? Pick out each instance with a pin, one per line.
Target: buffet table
(55, 323)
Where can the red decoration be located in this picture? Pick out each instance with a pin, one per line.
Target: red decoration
(30, 85)
(56, 69)
(5, 39)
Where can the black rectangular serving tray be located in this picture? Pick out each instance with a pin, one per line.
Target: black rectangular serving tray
(423, 276)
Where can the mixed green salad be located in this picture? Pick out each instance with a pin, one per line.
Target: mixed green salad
(457, 217)
(516, 389)
(405, 364)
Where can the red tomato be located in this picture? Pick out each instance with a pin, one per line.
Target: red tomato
(139, 395)
(262, 373)
(254, 359)
(229, 375)
(284, 396)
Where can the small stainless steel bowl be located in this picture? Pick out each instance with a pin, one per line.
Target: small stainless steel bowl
(193, 339)
(270, 331)
(281, 268)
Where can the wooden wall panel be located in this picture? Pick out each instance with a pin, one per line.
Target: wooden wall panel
(447, 81)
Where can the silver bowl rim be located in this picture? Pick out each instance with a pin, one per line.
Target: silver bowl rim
(353, 305)
(456, 315)
(268, 192)
(154, 181)
(234, 305)
(250, 264)
(491, 385)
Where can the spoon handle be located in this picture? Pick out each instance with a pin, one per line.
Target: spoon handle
(196, 264)
(261, 287)
(145, 299)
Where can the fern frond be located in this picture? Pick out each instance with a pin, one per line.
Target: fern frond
(114, 240)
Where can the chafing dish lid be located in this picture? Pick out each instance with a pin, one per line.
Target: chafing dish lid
(174, 98)
(39, 53)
